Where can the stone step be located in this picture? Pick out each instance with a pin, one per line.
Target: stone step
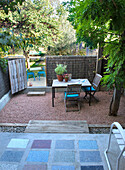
(36, 93)
(38, 126)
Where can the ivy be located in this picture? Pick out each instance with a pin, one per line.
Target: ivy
(3, 64)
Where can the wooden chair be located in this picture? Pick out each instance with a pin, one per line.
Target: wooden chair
(119, 134)
(72, 97)
(94, 87)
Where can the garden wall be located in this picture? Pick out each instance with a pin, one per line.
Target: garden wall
(78, 66)
(4, 82)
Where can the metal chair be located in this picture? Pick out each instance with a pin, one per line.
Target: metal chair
(30, 73)
(72, 95)
(94, 87)
(42, 72)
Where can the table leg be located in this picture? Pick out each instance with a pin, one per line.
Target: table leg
(53, 96)
(90, 98)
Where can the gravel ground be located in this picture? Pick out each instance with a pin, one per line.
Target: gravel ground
(22, 108)
(22, 129)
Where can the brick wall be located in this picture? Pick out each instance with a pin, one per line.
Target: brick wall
(78, 66)
(4, 83)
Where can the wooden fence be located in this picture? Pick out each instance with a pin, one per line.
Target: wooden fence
(17, 72)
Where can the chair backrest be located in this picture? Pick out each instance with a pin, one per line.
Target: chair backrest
(74, 89)
(96, 80)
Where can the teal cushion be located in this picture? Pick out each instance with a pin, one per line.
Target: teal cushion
(87, 89)
(71, 95)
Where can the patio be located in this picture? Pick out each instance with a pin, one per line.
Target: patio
(40, 108)
(55, 151)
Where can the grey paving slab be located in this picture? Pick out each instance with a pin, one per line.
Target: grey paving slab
(64, 156)
(35, 167)
(90, 156)
(59, 167)
(64, 144)
(12, 156)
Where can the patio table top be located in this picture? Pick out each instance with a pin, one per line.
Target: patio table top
(83, 82)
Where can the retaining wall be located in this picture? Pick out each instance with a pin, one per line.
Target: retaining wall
(4, 82)
(78, 66)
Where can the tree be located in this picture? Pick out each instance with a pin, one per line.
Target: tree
(34, 24)
(65, 43)
(102, 22)
(6, 35)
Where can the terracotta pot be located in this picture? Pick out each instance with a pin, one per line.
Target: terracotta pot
(60, 77)
(66, 79)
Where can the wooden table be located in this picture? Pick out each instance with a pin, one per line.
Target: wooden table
(63, 84)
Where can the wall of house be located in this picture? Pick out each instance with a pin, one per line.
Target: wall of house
(4, 82)
(78, 66)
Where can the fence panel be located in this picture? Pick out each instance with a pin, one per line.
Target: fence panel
(17, 72)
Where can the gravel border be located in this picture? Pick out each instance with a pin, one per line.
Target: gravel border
(21, 129)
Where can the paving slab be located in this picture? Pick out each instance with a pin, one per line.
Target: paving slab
(50, 151)
(38, 126)
(36, 93)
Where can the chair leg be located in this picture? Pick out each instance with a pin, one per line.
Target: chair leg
(85, 95)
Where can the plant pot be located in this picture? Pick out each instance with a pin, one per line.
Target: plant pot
(66, 79)
(60, 77)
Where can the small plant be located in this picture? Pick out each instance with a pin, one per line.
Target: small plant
(66, 76)
(60, 69)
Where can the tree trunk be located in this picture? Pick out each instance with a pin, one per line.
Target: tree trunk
(27, 58)
(114, 105)
(99, 62)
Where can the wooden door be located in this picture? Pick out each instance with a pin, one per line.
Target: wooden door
(17, 72)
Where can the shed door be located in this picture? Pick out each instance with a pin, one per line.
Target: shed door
(17, 72)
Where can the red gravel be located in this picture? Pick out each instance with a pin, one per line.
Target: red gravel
(22, 108)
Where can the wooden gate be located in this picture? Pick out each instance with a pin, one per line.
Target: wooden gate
(17, 72)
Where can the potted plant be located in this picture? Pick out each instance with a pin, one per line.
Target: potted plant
(66, 77)
(60, 69)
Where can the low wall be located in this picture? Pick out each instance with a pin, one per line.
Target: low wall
(78, 66)
(4, 82)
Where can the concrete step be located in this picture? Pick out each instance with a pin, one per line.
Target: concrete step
(31, 93)
(38, 126)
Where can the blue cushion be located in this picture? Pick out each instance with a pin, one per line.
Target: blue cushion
(87, 89)
(71, 95)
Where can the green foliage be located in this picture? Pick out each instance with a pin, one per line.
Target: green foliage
(11, 5)
(3, 64)
(66, 40)
(60, 69)
(102, 22)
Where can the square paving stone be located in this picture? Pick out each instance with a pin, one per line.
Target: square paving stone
(8, 167)
(64, 156)
(46, 144)
(18, 143)
(88, 144)
(12, 156)
(64, 144)
(90, 156)
(63, 167)
(38, 156)
(35, 167)
(92, 167)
